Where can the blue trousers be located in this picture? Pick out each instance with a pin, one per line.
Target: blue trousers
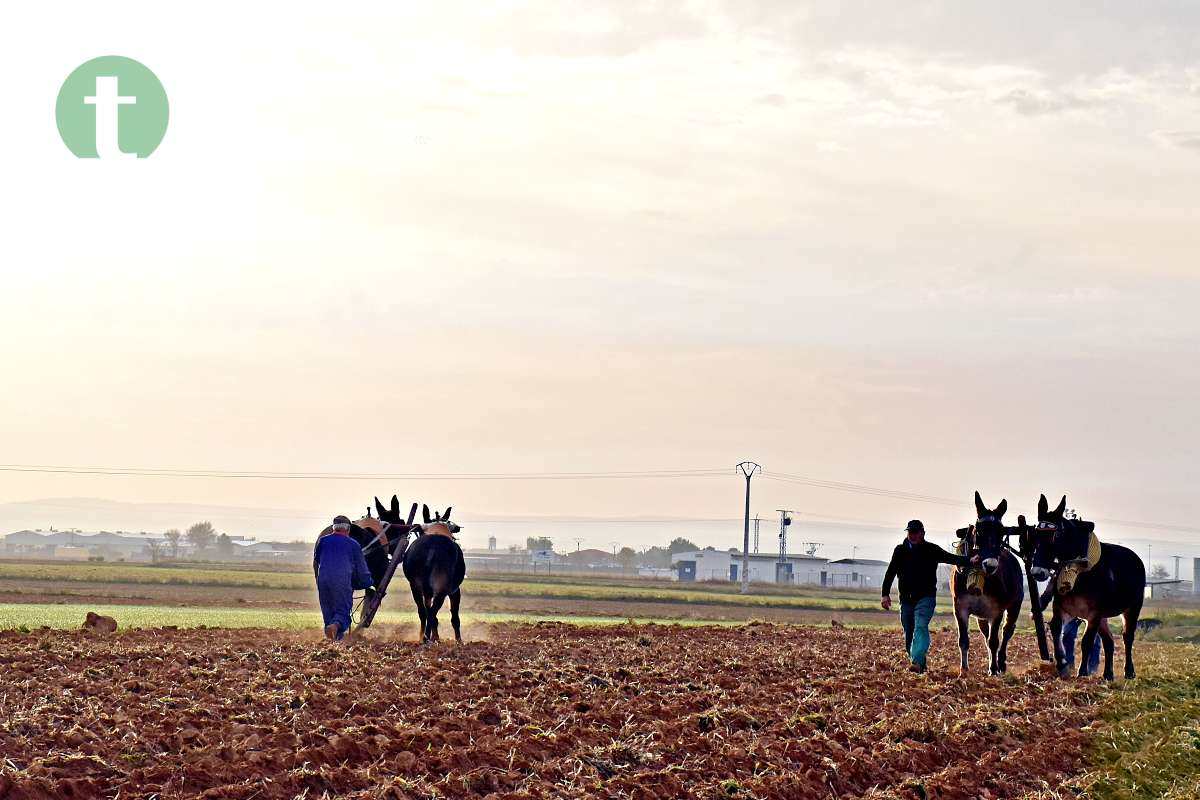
(1069, 632)
(915, 618)
(337, 599)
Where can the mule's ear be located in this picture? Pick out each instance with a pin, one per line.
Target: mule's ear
(980, 508)
(425, 514)
(1062, 506)
(446, 514)
(379, 507)
(1000, 509)
(396, 505)
(1043, 507)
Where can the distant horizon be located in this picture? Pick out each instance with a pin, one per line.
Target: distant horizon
(869, 540)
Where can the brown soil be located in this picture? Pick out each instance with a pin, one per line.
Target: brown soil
(535, 711)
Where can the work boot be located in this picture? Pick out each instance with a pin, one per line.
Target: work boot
(331, 631)
(917, 668)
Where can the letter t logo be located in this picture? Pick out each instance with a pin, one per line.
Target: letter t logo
(107, 100)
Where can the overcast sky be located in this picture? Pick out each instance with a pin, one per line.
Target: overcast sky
(929, 246)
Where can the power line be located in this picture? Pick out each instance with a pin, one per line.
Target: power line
(148, 472)
(856, 488)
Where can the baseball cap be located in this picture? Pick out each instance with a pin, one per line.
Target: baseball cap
(341, 519)
(914, 525)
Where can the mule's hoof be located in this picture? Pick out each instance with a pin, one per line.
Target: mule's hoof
(1108, 676)
(1130, 674)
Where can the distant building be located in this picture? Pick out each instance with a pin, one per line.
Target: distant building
(77, 545)
(723, 565)
(284, 552)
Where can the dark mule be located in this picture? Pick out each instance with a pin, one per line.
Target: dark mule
(1000, 595)
(384, 533)
(435, 569)
(1086, 587)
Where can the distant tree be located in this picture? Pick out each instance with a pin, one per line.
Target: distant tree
(681, 545)
(1159, 572)
(224, 546)
(628, 557)
(656, 557)
(173, 536)
(201, 535)
(154, 547)
(538, 543)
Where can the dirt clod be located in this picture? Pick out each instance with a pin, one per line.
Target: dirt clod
(99, 624)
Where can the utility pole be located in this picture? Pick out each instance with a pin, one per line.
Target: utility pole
(747, 468)
(578, 542)
(756, 521)
(784, 522)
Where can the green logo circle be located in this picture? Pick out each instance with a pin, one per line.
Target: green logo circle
(111, 107)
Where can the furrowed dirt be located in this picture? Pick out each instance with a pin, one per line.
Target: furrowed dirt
(541, 711)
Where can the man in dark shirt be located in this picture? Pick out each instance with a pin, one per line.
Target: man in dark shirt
(915, 562)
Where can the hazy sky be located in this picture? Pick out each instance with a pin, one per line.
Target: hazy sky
(932, 247)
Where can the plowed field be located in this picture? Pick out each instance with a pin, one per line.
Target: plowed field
(542, 711)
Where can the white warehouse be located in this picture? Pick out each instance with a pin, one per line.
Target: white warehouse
(722, 565)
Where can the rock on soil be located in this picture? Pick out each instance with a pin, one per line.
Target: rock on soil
(537, 711)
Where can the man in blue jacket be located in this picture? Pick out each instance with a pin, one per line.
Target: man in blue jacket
(341, 569)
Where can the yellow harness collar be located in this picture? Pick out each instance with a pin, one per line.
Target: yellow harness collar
(1073, 569)
(974, 575)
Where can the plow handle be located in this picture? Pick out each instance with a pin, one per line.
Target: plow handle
(372, 606)
(1035, 607)
(1035, 598)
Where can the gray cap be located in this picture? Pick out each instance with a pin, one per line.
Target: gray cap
(341, 519)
